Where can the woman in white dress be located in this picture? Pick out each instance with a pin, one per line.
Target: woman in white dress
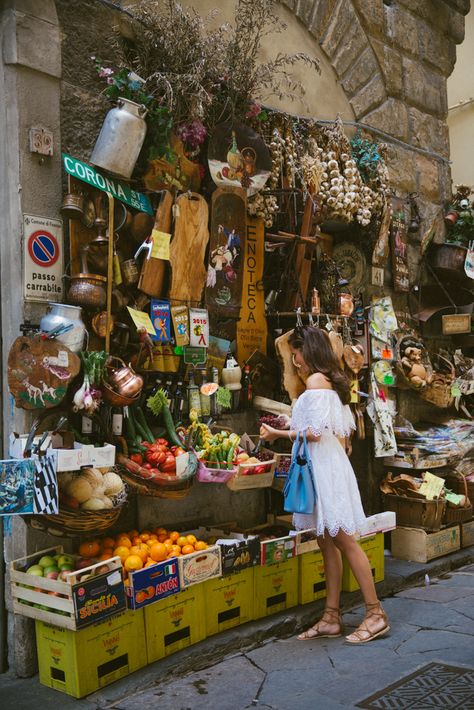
(322, 411)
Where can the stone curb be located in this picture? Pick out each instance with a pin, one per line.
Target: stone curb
(399, 575)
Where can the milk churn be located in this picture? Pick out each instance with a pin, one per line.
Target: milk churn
(121, 138)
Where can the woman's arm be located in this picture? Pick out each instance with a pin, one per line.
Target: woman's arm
(269, 433)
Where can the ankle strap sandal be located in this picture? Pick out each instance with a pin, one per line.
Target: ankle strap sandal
(331, 616)
(364, 634)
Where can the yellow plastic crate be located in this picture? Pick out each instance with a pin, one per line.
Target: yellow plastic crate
(276, 587)
(373, 548)
(229, 601)
(81, 662)
(312, 580)
(175, 623)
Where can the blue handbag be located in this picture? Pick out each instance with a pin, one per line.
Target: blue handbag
(299, 492)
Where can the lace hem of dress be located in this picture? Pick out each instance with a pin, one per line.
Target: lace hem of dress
(331, 529)
(337, 431)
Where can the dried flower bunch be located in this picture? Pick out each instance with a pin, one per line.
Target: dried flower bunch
(203, 73)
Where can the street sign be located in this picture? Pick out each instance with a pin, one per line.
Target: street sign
(43, 259)
(119, 190)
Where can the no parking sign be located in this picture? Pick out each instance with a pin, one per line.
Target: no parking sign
(43, 260)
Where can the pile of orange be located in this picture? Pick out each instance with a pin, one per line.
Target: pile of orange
(142, 549)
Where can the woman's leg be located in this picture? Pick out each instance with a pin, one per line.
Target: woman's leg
(330, 623)
(332, 569)
(375, 622)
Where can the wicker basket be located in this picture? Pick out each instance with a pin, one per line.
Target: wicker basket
(75, 523)
(416, 513)
(439, 391)
(458, 484)
(165, 487)
(466, 468)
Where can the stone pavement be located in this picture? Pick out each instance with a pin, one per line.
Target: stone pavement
(263, 665)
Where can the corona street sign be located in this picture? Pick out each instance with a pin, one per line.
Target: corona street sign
(119, 190)
(43, 261)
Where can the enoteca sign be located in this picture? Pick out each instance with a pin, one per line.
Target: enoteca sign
(119, 190)
(43, 258)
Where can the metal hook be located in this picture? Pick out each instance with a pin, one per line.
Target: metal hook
(299, 320)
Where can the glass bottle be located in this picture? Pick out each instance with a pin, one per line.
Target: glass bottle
(246, 394)
(194, 397)
(117, 421)
(178, 402)
(205, 399)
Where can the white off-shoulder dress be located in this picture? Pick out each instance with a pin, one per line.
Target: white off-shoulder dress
(338, 504)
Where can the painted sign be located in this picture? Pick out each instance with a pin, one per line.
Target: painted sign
(119, 190)
(43, 260)
(252, 326)
(399, 246)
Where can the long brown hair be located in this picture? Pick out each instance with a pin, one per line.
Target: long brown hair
(319, 356)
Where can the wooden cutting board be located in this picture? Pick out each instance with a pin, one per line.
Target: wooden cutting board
(291, 381)
(39, 372)
(153, 271)
(188, 248)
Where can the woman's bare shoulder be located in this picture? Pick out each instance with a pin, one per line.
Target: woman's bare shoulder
(318, 381)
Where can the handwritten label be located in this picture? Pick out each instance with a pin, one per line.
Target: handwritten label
(161, 245)
(141, 320)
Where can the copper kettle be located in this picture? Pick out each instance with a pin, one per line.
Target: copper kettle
(122, 378)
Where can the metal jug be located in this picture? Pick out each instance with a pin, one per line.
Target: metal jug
(121, 138)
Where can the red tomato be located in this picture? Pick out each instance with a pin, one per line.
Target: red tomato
(162, 441)
(138, 458)
(178, 451)
(148, 466)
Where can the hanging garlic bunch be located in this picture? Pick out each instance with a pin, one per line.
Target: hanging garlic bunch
(311, 169)
(264, 206)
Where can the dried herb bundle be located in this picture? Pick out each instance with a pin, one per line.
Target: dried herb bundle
(205, 73)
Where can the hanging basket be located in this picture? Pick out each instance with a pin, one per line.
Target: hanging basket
(439, 391)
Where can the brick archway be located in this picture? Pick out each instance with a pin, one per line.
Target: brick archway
(336, 26)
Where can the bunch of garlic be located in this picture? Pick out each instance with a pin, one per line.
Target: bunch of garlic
(264, 206)
(311, 169)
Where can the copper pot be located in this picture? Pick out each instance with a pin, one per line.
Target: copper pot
(73, 205)
(123, 379)
(87, 290)
(346, 304)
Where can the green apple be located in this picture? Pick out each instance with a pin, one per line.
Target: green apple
(65, 560)
(66, 567)
(37, 570)
(50, 568)
(47, 561)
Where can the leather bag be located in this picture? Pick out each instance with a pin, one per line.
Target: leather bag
(300, 492)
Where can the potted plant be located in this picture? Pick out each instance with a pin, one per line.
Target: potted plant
(448, 258)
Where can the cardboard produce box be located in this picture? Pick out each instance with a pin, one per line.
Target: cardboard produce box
(74, 603)
(81, 662)
(229, 601)
(312, 579)
(150, 584)
(68, 455)
(373, 546)
(417, 545)
(175, 623)
(467, 534)
(276, 587)
(238, 552)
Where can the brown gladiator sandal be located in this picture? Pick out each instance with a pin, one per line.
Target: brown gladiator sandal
(330, 616)
(363, 634)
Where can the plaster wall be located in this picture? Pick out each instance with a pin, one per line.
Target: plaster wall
(461, 117)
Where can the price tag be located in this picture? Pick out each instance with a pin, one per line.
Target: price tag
(63, 359)
(142, 320)
(161, 245)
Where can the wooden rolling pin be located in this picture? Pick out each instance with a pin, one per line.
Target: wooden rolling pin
(153, 271)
